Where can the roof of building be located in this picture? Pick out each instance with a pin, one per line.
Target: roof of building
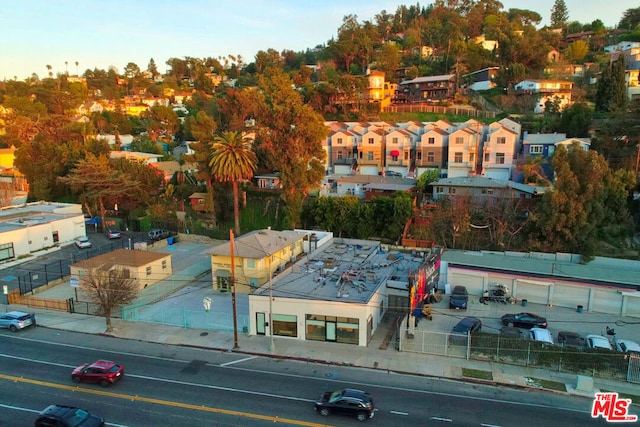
(122, 257)
(427, 79)
(344, 270)
(369, 179)
(610, 271)
(487, 182)
(259, 243)
(36, 213)
(385, 186)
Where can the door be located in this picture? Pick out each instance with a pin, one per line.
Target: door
(331, 331)
(260, 324)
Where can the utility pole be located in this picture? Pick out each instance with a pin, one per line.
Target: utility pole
(272, 344)
(233, 294)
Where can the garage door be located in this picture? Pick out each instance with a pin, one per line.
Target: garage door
(633, 306)
(532, 291)
(606, 301)
(570, 296)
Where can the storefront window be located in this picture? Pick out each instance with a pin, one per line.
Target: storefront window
(285, 325)
(316, 328)
(347, 330)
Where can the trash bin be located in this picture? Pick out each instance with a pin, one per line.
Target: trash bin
(524, 302)
(579, 310)
(170, 240)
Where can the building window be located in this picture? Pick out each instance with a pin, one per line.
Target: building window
(164, 264)
(439, 190)
(419, 155)
(339, 155)
(56, 237)
(431, 141)
(394, 141)
(251, 263)
(487, 157)
(7, 252)
(431, 156)
(285, 325)
(370, 155)
(500, 158)
(316, 328)
(501, 140)
(348, 330)
(535, 149)
(406, 155)
(457, 157)
(459, 140)
(339, 142)
(394, 158)
(370, 140)
(452, 191)
(148, 271)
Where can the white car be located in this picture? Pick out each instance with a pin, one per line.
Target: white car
(598, 341)
(626, 346)
(83, 242)
(541, 335)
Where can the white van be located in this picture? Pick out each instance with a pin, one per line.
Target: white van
(541, 335)
(158, 234)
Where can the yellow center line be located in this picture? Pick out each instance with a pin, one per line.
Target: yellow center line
(159, 401)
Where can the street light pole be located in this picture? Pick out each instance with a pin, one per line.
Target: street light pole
(233, 294)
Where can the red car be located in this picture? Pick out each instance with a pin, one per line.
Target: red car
(103, 372)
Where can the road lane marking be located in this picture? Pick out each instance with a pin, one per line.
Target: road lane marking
(489, 425)
(447, 420)
(399, 413)
(239, 360)
(170, 403)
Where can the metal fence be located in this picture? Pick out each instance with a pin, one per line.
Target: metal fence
(517, 351)
(188, 318)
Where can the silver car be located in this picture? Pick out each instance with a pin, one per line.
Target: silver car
(15, 320)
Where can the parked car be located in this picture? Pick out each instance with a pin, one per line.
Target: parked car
(113, 234)
(524, 320)
(459, 298)
(570, 339)
(348, 401)
(625, 346)
(468, 325)
(598, 341)
(67, 416)
(103, 372)
(510, 332)
(83, 242)
(158, 234)
(541, 335)
(15, 320)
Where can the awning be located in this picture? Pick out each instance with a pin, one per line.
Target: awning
(395, 152)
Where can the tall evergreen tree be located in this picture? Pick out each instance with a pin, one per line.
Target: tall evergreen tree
(611, 93)
(559, 14)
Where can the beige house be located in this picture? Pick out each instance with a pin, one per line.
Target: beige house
(499, 153)
(148, 268)
(257, 255)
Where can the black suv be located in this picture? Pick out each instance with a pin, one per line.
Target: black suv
(459, 298)
(67, 416)
(348, 401)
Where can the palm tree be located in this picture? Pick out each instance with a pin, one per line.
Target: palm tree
(233, 160)
(533, 171)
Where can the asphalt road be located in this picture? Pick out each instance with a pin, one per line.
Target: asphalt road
(172, 386)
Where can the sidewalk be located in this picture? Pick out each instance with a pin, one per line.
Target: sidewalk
(371, 357)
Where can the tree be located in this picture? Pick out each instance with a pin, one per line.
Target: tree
(576, 120)
(630, 19)
(233, 160)
(577, 51)
(98, 183)
(585, 198)
(611, 93)
(290, 135)
(152, 68)
(559, 14)
(108, 288)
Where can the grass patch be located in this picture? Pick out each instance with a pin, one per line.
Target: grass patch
(476, 373)
(549, 385)
(634, 399)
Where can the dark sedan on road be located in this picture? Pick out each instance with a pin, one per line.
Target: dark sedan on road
(67, 416)
(524, 320)
(348, 401)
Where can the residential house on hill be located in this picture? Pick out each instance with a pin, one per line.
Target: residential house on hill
(356, 185)
(465, 144)
(481, 79)
(499, 153)
(544, 145)
(427, 89)
(146, 158)
(399, 148)
(432, 151)
(546, 90)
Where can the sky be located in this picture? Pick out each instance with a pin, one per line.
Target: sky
(104, 33)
